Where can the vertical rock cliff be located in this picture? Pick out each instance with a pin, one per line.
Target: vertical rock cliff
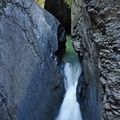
(96, 28)
(105, 19)
(31, 84)
(85, 45)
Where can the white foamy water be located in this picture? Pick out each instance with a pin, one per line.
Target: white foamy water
(70, 109)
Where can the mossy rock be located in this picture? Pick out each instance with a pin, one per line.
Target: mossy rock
(40, 2)
(68, 2)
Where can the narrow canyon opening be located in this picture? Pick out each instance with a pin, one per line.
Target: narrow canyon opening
(70, 108)
(44, 78)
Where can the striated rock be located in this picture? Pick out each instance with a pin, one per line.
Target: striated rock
(61, 9)
(83, 40)
(31, 84)
(105, 19)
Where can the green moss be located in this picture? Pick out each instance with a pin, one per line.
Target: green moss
(68, 2)
(70, 55)
(41, 2)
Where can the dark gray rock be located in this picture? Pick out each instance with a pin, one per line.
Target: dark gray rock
(61, 9)
(83, 40)
(31, 83)
(105, 19)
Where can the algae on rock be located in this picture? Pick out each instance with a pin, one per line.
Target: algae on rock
(41, 2)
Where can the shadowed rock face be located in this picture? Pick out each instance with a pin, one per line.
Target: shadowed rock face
(31, 84)
(101, 25)
(62, 11)
(88, 88)
(105, 19)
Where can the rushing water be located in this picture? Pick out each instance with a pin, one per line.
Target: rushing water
(70, 109)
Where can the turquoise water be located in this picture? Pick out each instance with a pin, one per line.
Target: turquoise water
(70, 55)
(70, 108)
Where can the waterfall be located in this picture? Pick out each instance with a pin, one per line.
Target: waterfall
(70, 109)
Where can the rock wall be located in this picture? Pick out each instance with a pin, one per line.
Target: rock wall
(61, 9)
(31, 84)
(105, 19)
(83, 40)
(102, 18)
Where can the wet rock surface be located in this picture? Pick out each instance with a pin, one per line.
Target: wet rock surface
(104, 17)
(61, 9)
(31, 84)
(105, 20)
(83, 41)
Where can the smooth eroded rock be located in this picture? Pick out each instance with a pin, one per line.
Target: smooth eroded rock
(30, 78)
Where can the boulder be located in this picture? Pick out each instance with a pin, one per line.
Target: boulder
(31, 82)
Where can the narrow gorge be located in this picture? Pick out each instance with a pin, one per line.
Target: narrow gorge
(59, 60)
(70, 108)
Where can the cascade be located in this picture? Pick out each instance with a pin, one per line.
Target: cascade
(70, 108)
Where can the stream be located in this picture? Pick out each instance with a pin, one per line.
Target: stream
(70, 108)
